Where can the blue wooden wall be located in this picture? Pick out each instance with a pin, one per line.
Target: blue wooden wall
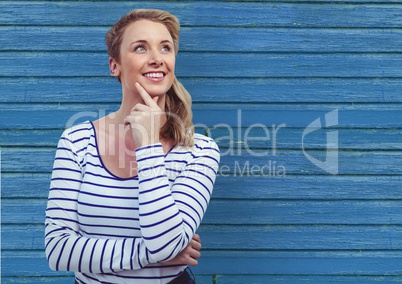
(263, 75)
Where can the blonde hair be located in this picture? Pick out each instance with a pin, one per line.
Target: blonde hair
(179, 126)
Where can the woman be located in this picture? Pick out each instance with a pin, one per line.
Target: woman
(129, 190)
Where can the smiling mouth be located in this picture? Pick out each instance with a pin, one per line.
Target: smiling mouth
(154, 75)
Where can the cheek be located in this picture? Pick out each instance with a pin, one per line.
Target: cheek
(171, 62)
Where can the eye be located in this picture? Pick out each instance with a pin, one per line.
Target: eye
(166, 48)
(140, 48)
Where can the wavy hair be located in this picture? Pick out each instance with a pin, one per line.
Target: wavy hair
(179, 126)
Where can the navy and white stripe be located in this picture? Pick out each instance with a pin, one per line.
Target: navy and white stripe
(114, 230)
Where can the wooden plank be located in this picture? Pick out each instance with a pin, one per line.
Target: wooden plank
(35, 280)
(211, 39)
(223, 116)
(302, 263)
(310, 279)
(40, 137)
(252, 237)
(254, 163)
(275, 137)
(236, 14)
(296, 263)
(303, 237)
(253, 212)
(216, 90)
(69, 280)
(191, 64)
(28, 264)
(270, 137)
(12, 185)
(307, 187)
(261, 162)
(341, 212)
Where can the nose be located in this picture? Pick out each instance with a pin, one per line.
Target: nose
(156, 60)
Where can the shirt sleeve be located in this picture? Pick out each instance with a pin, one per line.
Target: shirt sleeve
(65, 248)
(170, 215)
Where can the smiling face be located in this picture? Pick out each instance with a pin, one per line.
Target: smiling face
(147, 56)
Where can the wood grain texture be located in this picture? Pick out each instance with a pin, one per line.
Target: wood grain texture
(207, 13)
(255, 212)
(259, 73)
(261, 65)
(339, 263)
(240, 139)
(253, 237)
(226, 90)
(211, 39)
(310, 279)
(215, 116)
(254, 163)
(296, 187)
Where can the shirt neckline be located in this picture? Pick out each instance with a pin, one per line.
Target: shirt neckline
(101, 160)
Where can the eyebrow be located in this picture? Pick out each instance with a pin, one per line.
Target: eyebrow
(144, 41)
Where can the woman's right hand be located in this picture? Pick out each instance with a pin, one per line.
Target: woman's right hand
(189, 255)
(145, 119)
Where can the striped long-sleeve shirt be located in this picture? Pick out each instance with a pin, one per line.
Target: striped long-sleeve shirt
(120, 230)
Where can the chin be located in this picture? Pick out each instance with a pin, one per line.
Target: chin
(153, 92)
(157, 90)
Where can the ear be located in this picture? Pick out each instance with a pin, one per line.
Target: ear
(114, 67)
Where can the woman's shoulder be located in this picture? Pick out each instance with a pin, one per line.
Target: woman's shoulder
(204, 142)
(78, 135)
(80, 130)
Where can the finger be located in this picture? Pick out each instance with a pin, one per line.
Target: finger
(140, 108)
(195, 254)
(192, 262)
(195, 245)
(197, 238)
(145, 96)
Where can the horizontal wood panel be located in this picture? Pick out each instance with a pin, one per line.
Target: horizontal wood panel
(70, 279)
(238, 279)
(241, 262)
(343, 212)
(212, 39)
(299, 263)
(217, 90)
(223, 116)
(252, 163)
(261, 162)
(276, 137)
(268, 237)
(252, 212)
(268, 137)
(213, 14)
(310, 279)
(243, 65)
(36, 280)
(308, 187)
